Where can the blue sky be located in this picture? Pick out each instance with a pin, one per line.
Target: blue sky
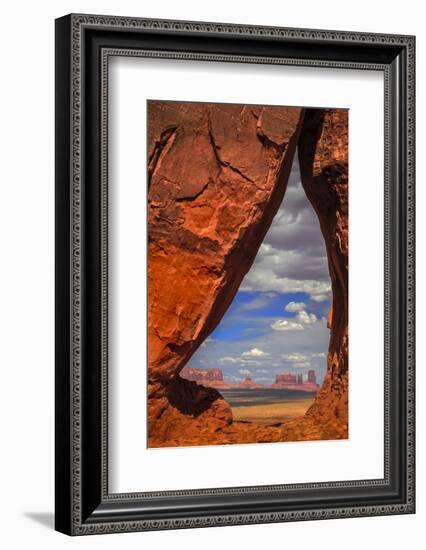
(277, 320)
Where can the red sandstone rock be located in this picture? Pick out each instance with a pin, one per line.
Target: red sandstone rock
(217, 175)
(248, 384)
(330, 317)
(202, 375)
(323, 157)
(211, 378)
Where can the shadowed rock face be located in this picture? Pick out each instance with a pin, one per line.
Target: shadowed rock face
(323, 157)
(217, 176)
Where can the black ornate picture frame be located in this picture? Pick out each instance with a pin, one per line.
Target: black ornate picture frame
(84, 505)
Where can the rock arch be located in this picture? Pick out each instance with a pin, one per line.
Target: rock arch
(217, 175)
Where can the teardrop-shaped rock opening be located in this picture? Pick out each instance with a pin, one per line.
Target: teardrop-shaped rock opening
(268, 355)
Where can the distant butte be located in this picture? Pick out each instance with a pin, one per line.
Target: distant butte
(213, 378)
(248, 384)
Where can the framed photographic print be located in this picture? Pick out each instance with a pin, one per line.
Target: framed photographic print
(234, 274)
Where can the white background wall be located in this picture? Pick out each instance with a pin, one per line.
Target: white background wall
(27, 262)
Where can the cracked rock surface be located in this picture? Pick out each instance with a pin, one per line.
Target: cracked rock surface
(217, 176)
(323, 157)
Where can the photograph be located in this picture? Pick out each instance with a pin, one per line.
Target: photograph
(247, 273)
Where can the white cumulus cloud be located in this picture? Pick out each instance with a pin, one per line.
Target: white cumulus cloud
(295, 306)
(255, 352)
(306, 318)
(286, 324)
(294, 357)
(321, 297)
(298, 322)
